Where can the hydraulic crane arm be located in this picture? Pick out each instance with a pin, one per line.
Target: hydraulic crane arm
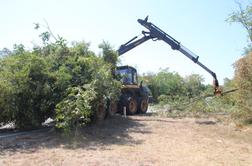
(156, 33)
(132, 44)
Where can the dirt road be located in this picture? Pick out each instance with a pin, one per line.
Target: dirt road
(136, 140)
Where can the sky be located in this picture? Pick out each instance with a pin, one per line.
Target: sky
(198, 25)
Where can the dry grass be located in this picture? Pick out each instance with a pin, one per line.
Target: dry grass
(136, 140)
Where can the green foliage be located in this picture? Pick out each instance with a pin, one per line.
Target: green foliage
(45, 36)
(194, 85)
(170, 87)
(199, 106)
(170, 83)
(165, 83)
(5, 52)
(241, 100)
(229, 99)
(243, 16)
(191, 98)
(174, 102)
(186, 94)
(25, 90)
(78, 107)
(108, 54)
(18, 49)
(81, 49)
(75, 109)
(71, 80)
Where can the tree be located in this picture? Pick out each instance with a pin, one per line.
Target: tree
(56, 81)
(18, 49)
(194, 86)
(243, 79)
(166, 83)
(5, 52)
(25, 90)
(244, 17)
(108, 54)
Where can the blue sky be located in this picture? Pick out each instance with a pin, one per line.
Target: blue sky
(198, 25)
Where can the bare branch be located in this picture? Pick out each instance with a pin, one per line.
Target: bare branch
(49, 29)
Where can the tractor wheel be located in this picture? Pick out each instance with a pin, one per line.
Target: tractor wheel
(143, 106)
(112, 108)
(101, 112)
(131, 106)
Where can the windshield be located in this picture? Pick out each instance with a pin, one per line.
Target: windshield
(126, 76)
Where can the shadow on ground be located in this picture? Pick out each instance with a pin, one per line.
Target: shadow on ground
(114, 130)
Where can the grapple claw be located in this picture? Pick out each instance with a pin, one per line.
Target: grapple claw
(217, 89)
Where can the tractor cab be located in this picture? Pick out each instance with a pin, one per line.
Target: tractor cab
(127, 75)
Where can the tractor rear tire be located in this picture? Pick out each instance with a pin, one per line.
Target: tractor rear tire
(112, 110)
(100, 112)
(131, 106)
(143, 106)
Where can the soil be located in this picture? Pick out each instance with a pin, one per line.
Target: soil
(136, 140)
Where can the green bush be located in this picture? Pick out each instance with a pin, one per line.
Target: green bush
(79, 106)
(55, 77)
(188, 93)
(76, 109)
(165, 83)
(25, 90)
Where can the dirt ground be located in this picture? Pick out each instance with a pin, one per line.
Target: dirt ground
(136, 140)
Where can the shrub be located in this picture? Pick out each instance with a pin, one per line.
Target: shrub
(243, 80)
(34, 83)
(79, 106)
(25, 90)
(75, 110)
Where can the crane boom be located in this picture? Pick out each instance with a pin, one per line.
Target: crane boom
(156, 33)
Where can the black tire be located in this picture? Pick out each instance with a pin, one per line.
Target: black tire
(112, 108)
(100, 112)
(143, 106)
(131, 106)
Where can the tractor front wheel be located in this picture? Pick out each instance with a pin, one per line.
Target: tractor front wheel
(143, 106)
